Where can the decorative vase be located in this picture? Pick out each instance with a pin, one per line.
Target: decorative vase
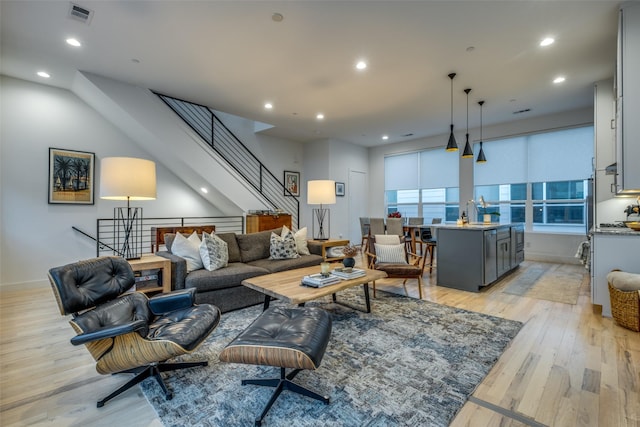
(486, 218)
(349, 262)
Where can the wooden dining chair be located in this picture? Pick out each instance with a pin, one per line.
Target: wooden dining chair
(428, 237)
(376, 226)
(364, 230)
(415, 237)
(395, 226)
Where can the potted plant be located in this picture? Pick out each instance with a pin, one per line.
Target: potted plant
(483, 209)
(349, 252)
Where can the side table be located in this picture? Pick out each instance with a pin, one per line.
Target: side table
(326, 244)
(151, 262)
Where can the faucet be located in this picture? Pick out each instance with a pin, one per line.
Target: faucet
(475, 210)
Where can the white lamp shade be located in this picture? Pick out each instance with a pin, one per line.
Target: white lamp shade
(123, 178)
(321, 192)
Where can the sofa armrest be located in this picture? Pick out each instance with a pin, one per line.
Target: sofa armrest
(315, 248)
(178, 268)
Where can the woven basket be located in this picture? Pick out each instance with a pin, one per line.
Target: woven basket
(625, 307)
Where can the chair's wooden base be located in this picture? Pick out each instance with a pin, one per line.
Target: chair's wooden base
(283, 383)
(145, 372)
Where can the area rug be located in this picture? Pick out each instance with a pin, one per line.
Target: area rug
(409, 362)
(558, 283)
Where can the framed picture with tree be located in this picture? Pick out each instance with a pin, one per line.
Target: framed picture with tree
(71, 177)
(292, 183)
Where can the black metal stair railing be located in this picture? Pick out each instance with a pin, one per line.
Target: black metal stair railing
(106, 230)
(205, 123)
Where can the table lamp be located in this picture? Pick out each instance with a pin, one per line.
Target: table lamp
(127, 178)
(321, 192)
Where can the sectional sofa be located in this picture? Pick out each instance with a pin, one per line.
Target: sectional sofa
(248, 257)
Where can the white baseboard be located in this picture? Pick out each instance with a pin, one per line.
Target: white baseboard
(541, 257)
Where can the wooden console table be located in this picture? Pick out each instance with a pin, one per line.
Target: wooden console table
(257, 223)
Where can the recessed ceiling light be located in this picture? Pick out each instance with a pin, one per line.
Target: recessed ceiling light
(44, 74)
(385, 137)
(277, 17)
(361, 65)
(204, 190)
(559, 79)
(73, 42)
(547, 41)
(268, 106)
(319, 116)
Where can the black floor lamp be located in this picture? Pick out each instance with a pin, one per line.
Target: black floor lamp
(127, 178)
(321, 192)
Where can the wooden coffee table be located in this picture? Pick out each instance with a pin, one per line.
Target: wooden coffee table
(286, 286)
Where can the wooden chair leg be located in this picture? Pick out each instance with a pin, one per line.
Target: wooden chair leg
(420, 286)
(432, 249)
(374, 288)
(404, 285)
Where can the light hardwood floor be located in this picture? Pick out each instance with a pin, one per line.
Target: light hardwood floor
(568, 366)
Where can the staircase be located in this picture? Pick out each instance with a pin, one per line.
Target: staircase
(220, 139)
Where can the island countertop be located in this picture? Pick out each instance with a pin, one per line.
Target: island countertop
(477, 226)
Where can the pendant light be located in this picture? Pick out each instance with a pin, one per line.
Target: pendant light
(452, 145)
(468, 152)
(481, 157)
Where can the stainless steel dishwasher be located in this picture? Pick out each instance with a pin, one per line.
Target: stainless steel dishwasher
(490, 256)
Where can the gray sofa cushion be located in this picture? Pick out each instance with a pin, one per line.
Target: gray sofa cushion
(232, 245)
(276, 265)
(229, 276)
(256, 246)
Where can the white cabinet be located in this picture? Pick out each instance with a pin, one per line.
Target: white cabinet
(611, 251)
(628, 100)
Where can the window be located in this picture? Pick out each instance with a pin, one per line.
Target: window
(552, 166)
(423, 184)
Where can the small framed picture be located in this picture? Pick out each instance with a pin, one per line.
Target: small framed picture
(292, 183)
(340, 189)
(71, 177)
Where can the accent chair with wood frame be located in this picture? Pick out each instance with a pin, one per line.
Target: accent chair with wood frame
(392, 257)
(128, 332)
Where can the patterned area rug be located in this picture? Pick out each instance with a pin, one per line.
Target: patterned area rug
(559, 283)
(409, 362)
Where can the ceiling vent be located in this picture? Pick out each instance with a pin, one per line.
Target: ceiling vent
(80, 13)
(526, 110)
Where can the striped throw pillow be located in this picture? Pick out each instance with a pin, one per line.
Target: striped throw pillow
(390, 254)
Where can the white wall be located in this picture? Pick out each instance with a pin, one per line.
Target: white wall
(541, 245)
(34, 234)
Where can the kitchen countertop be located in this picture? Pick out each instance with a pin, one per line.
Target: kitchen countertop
(475, 226)
(615, 231)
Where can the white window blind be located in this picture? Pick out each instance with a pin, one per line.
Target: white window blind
(401, 172)
(561, 156)
(439, 169)
(506, 162)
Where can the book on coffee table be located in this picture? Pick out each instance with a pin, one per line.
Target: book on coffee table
(318, 280)
(356, 272)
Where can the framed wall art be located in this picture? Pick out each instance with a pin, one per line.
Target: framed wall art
(340, 189)
(71, 177)
(292, 183)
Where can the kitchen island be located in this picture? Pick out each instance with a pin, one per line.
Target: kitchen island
(475, 255)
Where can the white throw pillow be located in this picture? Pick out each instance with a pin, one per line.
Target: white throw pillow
(387, 239)
(189, 249)
(301, 241)
(214, 252)
(284, 246)
(390, 254)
